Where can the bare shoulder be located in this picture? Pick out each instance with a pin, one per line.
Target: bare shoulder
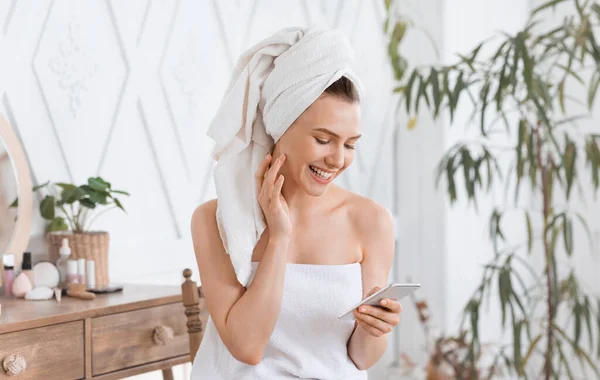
(204, 227)
(368, 216)
(204, 213)
(373, 224)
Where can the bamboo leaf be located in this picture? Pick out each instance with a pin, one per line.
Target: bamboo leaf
(517, 299)
(593, 89)
(526, 59)
(502, 82)
(568, 235)
(592, 160)
(577, 325)
(503, 293)
(598, 326)
(530, 351)
(565, 361)
(540, 8)
(587, 313)
(561, 96)
(458, 87)
(474, 314)
(408, 90)
(581, 354)
(529, 232)
(570, 158)
(421, 92)
(450, 179)
(435, 87)
(569, 71)
(484, 102)
(517, 344)
(467, 164)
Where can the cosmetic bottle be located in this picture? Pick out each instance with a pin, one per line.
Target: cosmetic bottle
(81, 270)
(9, 274)
(72, 276)
(65, 252)
(26, 268)
(90, 274)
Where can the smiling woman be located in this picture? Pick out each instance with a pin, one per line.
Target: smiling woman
(281, 256)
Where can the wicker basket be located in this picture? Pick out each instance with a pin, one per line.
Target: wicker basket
(91, 245)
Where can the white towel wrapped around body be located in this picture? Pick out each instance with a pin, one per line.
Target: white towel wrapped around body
(273, 82)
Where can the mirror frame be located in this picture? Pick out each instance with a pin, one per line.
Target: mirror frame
(20, 237)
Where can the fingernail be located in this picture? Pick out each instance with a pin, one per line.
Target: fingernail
(384, 302)
(363, 309)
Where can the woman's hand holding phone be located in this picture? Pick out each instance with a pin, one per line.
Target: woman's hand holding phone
(378, 321)
(269, 183)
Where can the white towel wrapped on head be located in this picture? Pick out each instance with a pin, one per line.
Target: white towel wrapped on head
(273, 82)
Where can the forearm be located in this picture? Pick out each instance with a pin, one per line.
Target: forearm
(252, 319)
(365, 349)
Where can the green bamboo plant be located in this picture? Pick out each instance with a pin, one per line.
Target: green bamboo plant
(523, 93)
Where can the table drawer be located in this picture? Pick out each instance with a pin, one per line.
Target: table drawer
(138, 337)
(50, 353)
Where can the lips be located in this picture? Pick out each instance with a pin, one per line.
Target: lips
(319, 179)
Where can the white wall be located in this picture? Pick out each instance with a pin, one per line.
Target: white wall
(125, 90)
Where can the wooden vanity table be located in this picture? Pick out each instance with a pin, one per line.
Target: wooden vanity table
(111, 337)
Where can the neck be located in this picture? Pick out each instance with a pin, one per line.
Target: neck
(300, 203)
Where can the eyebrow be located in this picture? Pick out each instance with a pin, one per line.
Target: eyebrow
(334, 134)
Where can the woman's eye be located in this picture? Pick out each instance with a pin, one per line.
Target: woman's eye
(348, 146)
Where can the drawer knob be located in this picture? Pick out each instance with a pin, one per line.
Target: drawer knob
(14, 364)
(162, 334)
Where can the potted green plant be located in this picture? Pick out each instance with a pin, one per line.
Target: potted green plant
(528, 78)
(71, 211)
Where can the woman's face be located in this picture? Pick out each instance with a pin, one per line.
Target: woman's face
(322, 139)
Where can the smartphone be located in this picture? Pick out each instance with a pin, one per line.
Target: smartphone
(392, 291)
(106, 289)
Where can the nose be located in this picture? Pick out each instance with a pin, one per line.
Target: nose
(335, 159)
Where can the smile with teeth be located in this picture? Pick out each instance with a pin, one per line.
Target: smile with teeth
(320, 173)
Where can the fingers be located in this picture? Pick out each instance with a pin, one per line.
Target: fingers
(277, 188)
(269, 180)
(376, 326)
(391, 305)
(370, 329)
(387, 317)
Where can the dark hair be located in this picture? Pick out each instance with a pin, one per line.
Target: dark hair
(343, 88)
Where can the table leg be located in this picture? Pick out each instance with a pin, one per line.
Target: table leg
(167, 374)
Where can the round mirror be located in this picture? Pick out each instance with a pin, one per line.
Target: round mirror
(8, 194)
(15, 182)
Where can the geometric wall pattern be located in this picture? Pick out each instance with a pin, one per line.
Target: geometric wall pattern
(126, 90)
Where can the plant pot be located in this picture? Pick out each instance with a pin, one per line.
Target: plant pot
(92, 245)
